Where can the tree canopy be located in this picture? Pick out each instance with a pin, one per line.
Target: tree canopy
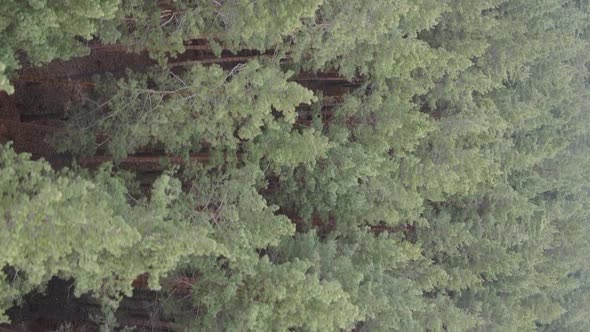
(46, 30)
(447, 190)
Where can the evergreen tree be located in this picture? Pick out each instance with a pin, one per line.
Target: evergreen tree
(88, 227)
(47, 30)
(182, 112)
(447, 192)
(163, 27)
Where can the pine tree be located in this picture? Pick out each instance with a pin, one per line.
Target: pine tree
(203, 105)
(447, 192)
(47, 30)
(162, 28)
(88, 227)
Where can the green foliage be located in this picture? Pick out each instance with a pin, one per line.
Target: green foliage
(83, 227)
(385, 47)
(242, 219)
(181, 112)
(231, 24)
(47, 30)
(272, 297)
(447, 192)
(287, 151)
(470, 177)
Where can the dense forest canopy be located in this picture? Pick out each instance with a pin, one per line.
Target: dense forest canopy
(446, 190)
